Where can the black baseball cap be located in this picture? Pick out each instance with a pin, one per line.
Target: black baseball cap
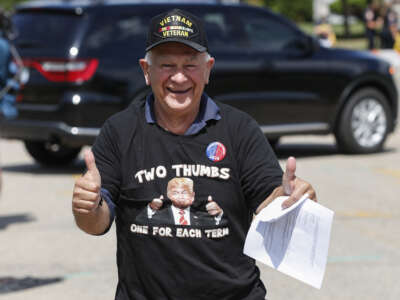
(177, 26)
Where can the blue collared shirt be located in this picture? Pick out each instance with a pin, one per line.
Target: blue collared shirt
(209, 110)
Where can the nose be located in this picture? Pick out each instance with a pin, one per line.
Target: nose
(179, 77)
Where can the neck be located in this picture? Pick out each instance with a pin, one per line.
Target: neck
(177, 123)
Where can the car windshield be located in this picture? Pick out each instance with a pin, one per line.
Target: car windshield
(44, 29)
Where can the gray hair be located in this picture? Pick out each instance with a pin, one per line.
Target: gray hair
(148, 57)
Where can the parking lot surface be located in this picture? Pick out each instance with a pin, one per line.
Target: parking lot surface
(44, 256)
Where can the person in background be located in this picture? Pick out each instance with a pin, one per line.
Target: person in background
(323, 30)
(9, 71)
(371, 23)
(389, 26)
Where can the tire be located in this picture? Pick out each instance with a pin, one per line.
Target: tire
(364, 122)
(51, 154)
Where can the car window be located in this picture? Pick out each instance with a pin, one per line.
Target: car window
(265, 32)
(220, 29)
(118, 34)
(217, 31)
(43, 29)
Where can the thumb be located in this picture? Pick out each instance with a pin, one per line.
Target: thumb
(91, 165)
(289, 176)
(209, 198)
(159, 200)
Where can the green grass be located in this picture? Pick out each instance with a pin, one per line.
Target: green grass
(358, 42)
(355, 29)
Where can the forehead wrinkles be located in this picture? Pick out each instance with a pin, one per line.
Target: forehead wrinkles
(186, 56)
(178, 58)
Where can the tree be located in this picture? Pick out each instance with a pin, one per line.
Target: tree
(298, 11)
(345, 10)
(10, 4)
(354, 7)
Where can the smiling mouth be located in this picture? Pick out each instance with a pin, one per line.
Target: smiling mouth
(179, 92)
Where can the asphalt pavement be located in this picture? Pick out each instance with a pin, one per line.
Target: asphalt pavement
(44, 256)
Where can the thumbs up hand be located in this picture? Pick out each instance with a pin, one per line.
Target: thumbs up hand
(157, 203)
(293, 186)
(212, 207)
(86, 193)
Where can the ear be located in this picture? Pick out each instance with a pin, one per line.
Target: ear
(145, 68)
(209, 66)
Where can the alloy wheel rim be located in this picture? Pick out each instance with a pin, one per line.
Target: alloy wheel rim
(368, 122)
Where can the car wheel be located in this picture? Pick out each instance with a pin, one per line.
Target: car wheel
(364, 122)
(52, 154)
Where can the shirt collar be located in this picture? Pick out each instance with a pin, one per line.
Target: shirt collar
(209, 110)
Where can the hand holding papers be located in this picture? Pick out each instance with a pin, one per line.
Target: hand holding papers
(294, 241)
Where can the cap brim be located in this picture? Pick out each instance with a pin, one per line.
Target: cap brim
(191, 44)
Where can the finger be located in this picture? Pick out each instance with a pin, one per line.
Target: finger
(312, 195)
(90, 160)
(81, 194)
(289, 176)
(209, 198)
(83, 204)
(291, 168)
(87, 184)
(294, 197)
(301, 189)
(214, 212)
(92, 171)
(211, 205)
(213, 208)
(157, 203)
(159, 200)
(82, 211)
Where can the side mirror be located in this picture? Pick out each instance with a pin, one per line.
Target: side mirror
(315, 44)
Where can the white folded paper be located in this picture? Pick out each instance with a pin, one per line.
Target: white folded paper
(294, 241)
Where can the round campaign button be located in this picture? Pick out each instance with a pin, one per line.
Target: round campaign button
(216, 151)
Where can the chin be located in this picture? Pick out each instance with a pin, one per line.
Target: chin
(177, 104)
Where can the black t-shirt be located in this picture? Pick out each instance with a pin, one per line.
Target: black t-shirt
(229, 160)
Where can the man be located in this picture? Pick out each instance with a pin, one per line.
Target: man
(180, 132)
(8, 85)
(9, 81)
(389, 27)
(323, 30)
(371, 23)
(182, 210)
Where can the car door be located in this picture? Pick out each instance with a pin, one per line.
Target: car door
(234, 69)
(284, 79)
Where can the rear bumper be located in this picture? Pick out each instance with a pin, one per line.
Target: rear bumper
(47, 131)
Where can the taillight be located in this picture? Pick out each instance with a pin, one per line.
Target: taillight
(64, 70)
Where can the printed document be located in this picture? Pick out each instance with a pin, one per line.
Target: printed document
(294, 240)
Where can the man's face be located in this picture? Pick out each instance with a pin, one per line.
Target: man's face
(177, 75)
(181, 197)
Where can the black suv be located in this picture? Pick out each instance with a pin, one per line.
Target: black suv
(82, 59)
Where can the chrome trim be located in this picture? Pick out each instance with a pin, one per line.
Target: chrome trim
(288, 128)
(81, 130)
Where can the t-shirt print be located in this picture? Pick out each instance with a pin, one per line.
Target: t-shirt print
(180, 207)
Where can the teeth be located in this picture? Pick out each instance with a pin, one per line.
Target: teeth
(178, 92)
